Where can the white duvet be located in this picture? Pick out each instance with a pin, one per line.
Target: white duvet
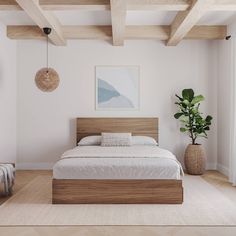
(133, 162)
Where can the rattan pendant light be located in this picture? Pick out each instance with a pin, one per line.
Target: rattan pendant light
(47, 79)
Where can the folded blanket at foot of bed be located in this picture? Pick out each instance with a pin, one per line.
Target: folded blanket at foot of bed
(7, 176)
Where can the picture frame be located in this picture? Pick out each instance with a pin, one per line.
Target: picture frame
(117, 87)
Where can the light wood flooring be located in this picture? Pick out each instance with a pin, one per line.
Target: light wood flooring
(213, 177)
(23, 177)
(118, 231)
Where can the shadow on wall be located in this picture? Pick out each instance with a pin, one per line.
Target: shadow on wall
(72, 142)
(179, 150)
(183, 140)
(1, 74)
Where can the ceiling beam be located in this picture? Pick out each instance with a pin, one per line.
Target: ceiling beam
(207, 32)
(25, 32)
(9, 5)
(118, 18)
(165, 5)
(43, 19)
(75, 4)
(162, 5)
(155, 32)
(105, 32)
(88, 32)
(185, 20)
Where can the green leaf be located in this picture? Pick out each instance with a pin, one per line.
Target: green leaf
(197, 99)
(186, 102)
(194, 111)
(188, 94)
(183, 129)
(184, 105)
(181, 99)
(184, 119)
(191, 118)
(178, 115)
(209, 118)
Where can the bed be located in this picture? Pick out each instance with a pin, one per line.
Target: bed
(117, 175)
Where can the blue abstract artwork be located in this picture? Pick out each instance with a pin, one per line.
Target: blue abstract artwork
(117, 87)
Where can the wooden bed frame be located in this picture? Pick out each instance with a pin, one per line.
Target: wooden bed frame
(106, 191)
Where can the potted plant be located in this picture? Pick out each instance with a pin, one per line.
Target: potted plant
(195, 126)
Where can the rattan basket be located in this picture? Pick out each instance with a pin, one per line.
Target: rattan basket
(195, 159)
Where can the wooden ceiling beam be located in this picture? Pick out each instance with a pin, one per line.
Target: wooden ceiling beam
(9, 5)
(43, 19)
(118, 18)
(164, 5)
(105, 32)
(75, 4)
(185, 20)
(88, 32)
(161, 5)
(25, 32)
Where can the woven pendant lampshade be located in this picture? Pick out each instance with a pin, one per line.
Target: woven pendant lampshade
(47, 79)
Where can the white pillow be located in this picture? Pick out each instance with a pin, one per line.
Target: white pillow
(116, 139)
(143, 140)
(92, 140)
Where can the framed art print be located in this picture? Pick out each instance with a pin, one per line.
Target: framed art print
(117, 87)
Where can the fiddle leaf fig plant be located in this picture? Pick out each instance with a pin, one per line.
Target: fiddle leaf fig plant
(193, 123)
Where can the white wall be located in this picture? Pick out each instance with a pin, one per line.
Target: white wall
(225, 72)
(7, 97)
(46, 124)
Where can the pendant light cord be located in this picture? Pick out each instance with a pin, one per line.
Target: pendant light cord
(47, 31)
(47, 53)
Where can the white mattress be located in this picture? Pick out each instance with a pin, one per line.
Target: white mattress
(135, 162)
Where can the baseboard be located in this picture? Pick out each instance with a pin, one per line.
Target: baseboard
(223, 169)
(34, 166)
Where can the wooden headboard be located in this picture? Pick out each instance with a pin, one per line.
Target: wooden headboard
(136, 126)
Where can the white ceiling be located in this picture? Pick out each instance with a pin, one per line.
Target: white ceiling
(104, 18)
(218, 18)
(15, 18)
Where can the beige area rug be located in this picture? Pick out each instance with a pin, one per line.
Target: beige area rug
(203, 205)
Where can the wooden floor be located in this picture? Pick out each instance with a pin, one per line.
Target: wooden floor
(23, 177)
(213, 177)
(221, 182)
(118, 231)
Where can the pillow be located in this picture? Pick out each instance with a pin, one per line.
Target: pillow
(90, 140)
(116, 139)
(143, 140)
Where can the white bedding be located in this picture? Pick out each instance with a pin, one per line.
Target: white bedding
(133, 162)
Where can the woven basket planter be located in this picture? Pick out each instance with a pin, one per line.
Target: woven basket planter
(195, 159)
